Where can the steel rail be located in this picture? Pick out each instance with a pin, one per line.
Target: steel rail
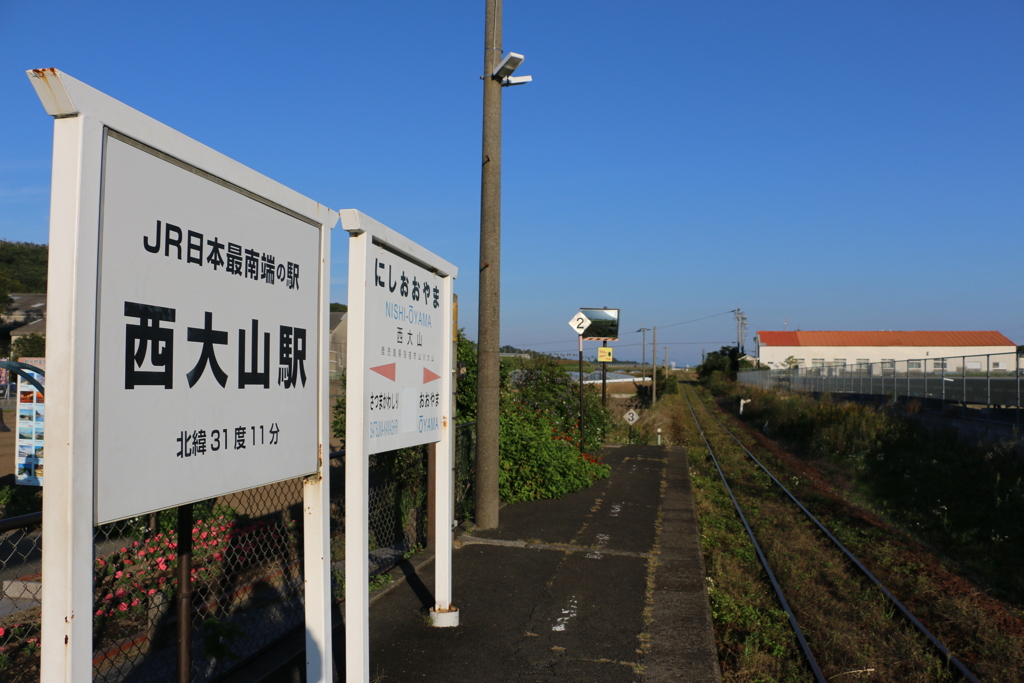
(943, 650)
(811, 661)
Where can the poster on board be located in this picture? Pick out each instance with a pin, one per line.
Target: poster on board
(31, 407)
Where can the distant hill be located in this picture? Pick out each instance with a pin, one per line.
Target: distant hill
(23, 267)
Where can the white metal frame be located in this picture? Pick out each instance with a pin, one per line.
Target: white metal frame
(82, 114)
(364, 232)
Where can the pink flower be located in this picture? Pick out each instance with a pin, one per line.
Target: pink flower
(120, 592)
(151, 591)
(204, 535)
(218, 556)
(124, 550)
(162, 567)
(99, 613)
(118, 574)
(123, 607)
(135, 602)
(109, 596)
(3, 631)
(101, 563)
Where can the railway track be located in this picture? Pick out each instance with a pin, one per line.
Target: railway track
(865, 630)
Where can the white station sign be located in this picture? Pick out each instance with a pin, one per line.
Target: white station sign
(405, 338)
(208, 323)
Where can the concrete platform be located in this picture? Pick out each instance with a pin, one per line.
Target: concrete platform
(606, 584)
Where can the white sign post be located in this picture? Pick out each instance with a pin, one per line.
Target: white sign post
(398, 394)
(186, 347)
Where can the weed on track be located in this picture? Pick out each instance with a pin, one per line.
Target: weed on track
(853, 630)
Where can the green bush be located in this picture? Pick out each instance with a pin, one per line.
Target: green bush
(20, 500)
(539, 434)
(338, 413)
(539, 460)
(465, 383)
(666, 385)
(539, 439)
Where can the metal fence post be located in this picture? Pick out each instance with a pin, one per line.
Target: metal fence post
(963, 379)
(184, 593)
(943, 380)
(988, 383)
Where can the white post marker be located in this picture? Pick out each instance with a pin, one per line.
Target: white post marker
(631, 417)
(172, 270)
(398, 394)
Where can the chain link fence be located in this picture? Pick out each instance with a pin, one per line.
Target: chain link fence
(21, 601)
(246, 573)
(988, 385)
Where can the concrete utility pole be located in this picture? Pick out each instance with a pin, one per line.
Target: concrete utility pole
(741, 330)
(654, 366)
(643, 353)
(488, 344)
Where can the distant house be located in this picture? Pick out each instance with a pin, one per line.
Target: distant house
(24, 309)
(26, 315)
(919, 349)
(338, 343)
(34, 327)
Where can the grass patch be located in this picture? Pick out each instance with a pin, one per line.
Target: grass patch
(983, 632)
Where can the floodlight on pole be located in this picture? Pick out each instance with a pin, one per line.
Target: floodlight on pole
(503, 72)
(507, 66)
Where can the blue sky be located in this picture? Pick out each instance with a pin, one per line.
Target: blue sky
(853, 165)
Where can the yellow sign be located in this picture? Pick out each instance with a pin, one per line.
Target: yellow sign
(604, 354)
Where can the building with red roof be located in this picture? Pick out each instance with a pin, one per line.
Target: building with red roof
(920, 349)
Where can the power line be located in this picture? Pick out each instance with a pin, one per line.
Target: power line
(625, 346)
(685, 322)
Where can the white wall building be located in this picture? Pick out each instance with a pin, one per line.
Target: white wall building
(919, 350)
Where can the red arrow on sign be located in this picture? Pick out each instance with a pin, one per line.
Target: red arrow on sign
(429, 376)
(386, 370)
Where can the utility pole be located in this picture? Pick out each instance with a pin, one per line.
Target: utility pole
(654, 367)
(497, 74)
(488, 344)
(741, 330)
(643, 353)
(666, 358)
